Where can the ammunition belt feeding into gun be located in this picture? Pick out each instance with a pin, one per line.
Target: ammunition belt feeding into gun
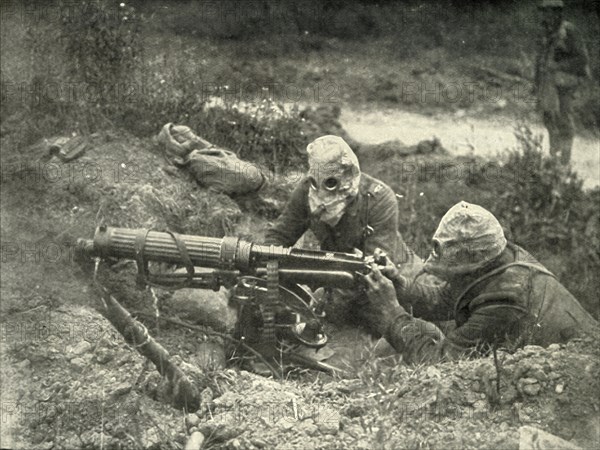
(267, 280)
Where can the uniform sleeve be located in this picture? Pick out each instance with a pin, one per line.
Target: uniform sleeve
(427, 301)
(422, 342)
(540, 61)
(383, 218)
(293, 221)
(577, 60)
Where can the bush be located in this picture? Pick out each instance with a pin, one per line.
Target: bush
(550, 215)
(538, 198)
(102, 42)
(102, 45)
(268, 135)
(542, 206)
(545, 210)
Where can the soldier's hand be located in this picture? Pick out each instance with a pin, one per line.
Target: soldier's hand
(383, 304)
(386, 266)
(357, 252)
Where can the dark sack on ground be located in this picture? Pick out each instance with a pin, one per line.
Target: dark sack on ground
(213, 167)
(223, 171)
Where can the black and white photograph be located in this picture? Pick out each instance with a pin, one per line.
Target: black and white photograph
(299, 224)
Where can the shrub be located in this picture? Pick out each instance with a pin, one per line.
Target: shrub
(103, 47)
(268, 135)
(102, 41)
(536, 196)
(547, 212)
(542, 206)
(553, 217)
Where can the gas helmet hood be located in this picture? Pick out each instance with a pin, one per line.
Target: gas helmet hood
(334, 175)
(468, 237)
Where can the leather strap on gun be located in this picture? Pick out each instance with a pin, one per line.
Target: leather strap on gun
(231, 257)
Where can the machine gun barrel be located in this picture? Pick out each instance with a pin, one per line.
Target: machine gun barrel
(230, 253)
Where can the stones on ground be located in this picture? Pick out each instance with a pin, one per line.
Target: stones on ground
(559, 388)
(103, 356)
(533, 438)
(150, 438)
(348, 386)
(192, 420)
(57, 386)
(207, 395)
(121, 389)
(123, 359)
(509, 394)
(532, 389)
(81, 348)
(195, 441)
(553, 376)
(219, 432)
(536, 371)
(328, 421)
(532, 349)
(204, 307)
(259, 443)
(234, 444)
(307, 427)
(23, 364)
(528, 386)
(78, 364)
(433, 372)
(286, 423)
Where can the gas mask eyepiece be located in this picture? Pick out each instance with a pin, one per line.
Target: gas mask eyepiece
(334, 176)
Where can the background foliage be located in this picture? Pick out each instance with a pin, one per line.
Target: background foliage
(134, 66)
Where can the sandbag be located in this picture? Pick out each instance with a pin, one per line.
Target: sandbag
(180, 140)
(215, 168)
(221, 170)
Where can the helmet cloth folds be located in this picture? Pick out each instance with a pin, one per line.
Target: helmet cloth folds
(334, 175)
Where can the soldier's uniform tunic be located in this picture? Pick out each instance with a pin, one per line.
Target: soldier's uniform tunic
(375, 206)
(561, 68)
(513, 301)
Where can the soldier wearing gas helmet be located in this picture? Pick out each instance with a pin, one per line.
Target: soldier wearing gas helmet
(495, 291)
(561, 69)
(348, 211)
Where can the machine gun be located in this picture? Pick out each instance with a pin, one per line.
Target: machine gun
(273, 305)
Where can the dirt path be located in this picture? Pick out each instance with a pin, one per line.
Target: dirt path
(460, 135)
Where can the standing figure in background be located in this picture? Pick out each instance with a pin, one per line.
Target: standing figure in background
(562, 66)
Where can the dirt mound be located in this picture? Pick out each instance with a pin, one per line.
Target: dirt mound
(86, 388)
(70, 380)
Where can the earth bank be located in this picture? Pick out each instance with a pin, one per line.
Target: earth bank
(70, 381)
